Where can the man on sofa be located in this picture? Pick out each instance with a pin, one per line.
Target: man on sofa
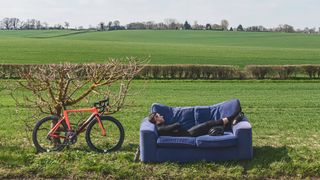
(198, 130)
(175, 129)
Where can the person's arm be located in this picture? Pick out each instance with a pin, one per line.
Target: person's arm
(168, 129)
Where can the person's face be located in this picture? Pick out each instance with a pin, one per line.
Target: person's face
(158, 119)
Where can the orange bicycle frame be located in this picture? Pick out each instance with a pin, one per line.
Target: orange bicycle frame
(65, 118)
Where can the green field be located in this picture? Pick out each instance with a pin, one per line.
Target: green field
(284, 116)
(164, 47)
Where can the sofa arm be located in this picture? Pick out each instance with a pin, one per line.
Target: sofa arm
(243, 131)
(242, 125)
(148, 141)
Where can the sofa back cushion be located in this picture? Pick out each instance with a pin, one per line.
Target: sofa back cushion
(205, 113)
(217, 111)
(185, 116)
(228, 108)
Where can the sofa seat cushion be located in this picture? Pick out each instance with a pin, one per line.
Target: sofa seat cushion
(172, 141)
(206, 141)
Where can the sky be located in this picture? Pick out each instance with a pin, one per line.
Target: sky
(269, 13)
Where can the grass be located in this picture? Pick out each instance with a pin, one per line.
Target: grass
(164, 47)
(284, 115)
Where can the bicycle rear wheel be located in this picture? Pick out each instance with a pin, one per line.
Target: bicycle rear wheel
(114, 135)
(45, 143)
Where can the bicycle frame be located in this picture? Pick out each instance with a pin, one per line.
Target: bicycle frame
(95, 114)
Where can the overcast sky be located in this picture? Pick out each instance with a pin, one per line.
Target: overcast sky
(269, 13)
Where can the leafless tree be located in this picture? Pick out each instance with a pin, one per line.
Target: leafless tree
(38, 24)
(171, 23)
(101, 26)
(224, 24)
(109, 25)
(56, 87)
(6, 23)
(116, 23)
(66, 25)
(15, 23)
(150, 25)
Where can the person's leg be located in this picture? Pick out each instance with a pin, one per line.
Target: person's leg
(203, 128)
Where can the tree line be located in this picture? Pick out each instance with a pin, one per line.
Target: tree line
(167, 24)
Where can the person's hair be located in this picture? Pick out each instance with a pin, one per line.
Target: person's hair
(151, 117)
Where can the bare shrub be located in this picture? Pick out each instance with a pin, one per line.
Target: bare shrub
(56, 87)
(286, 71)
(259, 71)
(155, 70)
(310, 70)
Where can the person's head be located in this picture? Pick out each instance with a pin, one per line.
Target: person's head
(156, 118)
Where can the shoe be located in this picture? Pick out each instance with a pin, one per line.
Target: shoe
(216, 131)
(238, 118)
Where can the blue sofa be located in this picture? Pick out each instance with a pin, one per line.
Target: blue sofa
(235, 144)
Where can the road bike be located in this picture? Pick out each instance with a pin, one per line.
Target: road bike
(103, 133)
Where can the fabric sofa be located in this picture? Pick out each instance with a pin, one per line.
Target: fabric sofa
(235, 144)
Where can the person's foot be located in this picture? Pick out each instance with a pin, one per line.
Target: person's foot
(238, 118)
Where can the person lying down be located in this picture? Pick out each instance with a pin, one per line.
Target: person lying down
(198, 130)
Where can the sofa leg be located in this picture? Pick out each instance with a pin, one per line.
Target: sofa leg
(137, 155)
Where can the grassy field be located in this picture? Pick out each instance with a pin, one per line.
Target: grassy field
(164, 47)
(284, 115)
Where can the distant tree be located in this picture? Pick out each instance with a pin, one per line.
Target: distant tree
(58, 26)
(186, 25)
(45, 25)
(38, 25)
(116, 24)
(136, 25)
(161, 25)
(31, 23)
(149, 25)
(208, 26)
(109, 25)
(195, 25)
(224, 24)
(171, 23)
(231, 29)
(6, 23)
(15, 23)
(240, 28)
(66, 25)
(101, 26)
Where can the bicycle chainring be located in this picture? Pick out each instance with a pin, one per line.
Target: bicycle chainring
(71, 137)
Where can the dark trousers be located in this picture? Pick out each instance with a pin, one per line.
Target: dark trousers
(203, 128)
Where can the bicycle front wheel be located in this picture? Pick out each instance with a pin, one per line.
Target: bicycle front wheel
(45, 143)
(113, 139)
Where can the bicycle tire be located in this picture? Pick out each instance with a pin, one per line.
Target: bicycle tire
(57, 144)
(94, 137)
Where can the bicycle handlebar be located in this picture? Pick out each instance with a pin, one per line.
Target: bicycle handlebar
(101, 105)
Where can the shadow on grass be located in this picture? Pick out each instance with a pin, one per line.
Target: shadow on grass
(264, 156)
